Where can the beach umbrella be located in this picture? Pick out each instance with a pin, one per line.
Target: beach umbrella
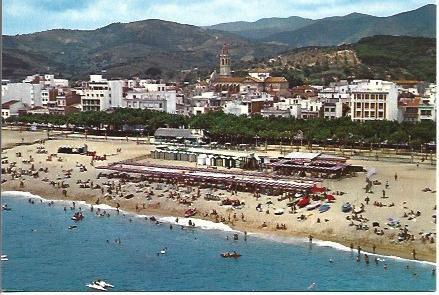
(330, 198)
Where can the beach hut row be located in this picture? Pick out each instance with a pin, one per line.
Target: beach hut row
(200, 159)
(174, 155)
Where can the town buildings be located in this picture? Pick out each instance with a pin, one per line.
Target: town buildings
(256, 92)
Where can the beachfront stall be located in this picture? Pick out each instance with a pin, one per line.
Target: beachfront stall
(314, 165)
(207, 178)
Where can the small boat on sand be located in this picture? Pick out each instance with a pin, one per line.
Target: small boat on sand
(346, 207)
(230, 255)
(313, 205)
(190, 212)
(324, 208)
(279, 211)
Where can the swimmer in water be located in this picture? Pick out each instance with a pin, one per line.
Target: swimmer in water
(311, 286)
(385, 265)
(330, 260)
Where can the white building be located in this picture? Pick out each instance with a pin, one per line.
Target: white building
(236, 108)
(101, 94)
(12, 108)
(332, 110)
(27, 93)
(261, 74)
(141, 98)
(375, 100)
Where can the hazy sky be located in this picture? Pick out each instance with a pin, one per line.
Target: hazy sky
(26, 16)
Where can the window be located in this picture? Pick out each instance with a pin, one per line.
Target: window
(134, 96)
(380, 106)
(372, 96)
(358, 104)
(372, 105)
(372, 114)
(366, 96)
(380, 114)
(366, 105)
(366, 114)
(358, 114)
(102, 95)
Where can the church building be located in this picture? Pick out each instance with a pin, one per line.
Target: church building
(276, 86)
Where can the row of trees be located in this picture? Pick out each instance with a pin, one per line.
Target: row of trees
(229, 128)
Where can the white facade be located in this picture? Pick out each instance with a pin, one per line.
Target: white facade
(5, 114)
(375, 100)
(333, 110)
(101, 94)
(27, 93)
(262, 75)
(44, 96)
(140, 98)
(236, 108)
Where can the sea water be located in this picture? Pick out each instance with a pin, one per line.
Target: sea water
(44, 255)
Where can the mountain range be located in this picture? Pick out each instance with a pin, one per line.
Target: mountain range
(130, 49)
(299, 32)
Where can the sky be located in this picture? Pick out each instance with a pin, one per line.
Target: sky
(28, 16)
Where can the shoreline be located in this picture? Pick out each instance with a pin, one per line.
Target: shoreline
(405, 194)
(280, 237)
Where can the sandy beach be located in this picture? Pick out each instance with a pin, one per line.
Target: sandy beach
(404, 195)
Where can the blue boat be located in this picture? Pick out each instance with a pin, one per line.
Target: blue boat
(346, 207)
(324, 208)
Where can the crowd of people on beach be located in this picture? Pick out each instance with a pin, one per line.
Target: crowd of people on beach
(147, 195)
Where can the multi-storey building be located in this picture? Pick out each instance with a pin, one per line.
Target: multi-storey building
(374, 100)
(101, 94)
(141, 98)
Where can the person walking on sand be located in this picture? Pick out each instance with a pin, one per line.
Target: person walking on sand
(373, 248)
(359, 249)
(352, 246)
(414, 254)
(384, 193)
(396, 176)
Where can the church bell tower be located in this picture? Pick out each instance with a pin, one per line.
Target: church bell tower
(225, 61)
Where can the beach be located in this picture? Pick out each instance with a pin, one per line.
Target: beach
(404, 195)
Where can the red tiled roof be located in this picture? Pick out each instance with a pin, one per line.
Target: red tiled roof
(228, 79)
(8, 104)
(275, 80)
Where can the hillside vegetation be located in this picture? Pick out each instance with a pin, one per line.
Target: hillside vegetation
(377, 57)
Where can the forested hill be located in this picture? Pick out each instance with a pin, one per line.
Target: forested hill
(377, 57)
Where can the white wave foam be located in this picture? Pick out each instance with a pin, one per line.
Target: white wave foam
(209, 225)
(203, 224)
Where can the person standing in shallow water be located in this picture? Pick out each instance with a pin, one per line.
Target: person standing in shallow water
(310, 238)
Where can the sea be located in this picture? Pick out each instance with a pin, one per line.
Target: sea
(45, 255)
